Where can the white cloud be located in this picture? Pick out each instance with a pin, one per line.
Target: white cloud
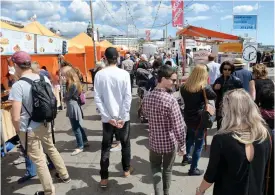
(245, 8)
(226, 17)
(24, 9)
(22, 14)
(217, 8)
(54, 17)
(197, 18)
(197, 7)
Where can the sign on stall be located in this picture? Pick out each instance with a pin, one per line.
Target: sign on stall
(245, 22)
(49, 45)
(201, 56)
(231, 47)
(13, 41)
(228, 57)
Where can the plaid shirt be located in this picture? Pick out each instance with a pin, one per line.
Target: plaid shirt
(166, 125)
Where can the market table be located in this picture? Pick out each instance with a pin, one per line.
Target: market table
(7, 130)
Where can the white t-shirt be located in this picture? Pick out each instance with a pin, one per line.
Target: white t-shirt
(113, 95)
(21, 92)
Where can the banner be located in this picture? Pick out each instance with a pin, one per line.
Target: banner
(201, 56)
(177, 13)
(49, 45)
(231, 47)
(148, 33)
(245, 22)
(12, 41)
(228, 57)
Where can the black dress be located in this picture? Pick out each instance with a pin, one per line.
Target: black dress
(231, 172)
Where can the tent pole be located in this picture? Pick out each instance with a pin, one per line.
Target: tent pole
(93, 34)
(85, 66)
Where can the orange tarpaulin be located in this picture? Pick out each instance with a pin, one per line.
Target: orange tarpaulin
(106, 44)
(50, 61)
(83, 40)
(37, 28)
(193, 31)
(8, 26)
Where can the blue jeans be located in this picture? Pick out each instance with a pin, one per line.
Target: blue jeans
(79, 133)
(198, 140)
(31, 168)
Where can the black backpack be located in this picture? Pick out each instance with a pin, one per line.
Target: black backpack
(44, 102)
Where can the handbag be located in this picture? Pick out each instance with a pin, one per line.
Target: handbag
(207, 114)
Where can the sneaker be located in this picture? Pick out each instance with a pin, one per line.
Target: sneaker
(104, 183)
(67, 180)
(24, 179)
(20, 160)
(77, 151)
(39, 193)
(195, 172)
(187, 160)
(128, 173)
(116, 148)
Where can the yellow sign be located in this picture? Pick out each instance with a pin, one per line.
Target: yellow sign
(231, 47)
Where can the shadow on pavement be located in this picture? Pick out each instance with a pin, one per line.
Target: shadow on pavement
(92, 186)
(69, 146)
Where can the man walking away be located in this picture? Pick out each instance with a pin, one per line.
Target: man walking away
(113, 99)
(245, 76)
(166, 128)
(128, 65)
(33, 134)
(213, 69)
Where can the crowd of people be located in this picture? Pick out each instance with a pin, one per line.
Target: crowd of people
(242, 102)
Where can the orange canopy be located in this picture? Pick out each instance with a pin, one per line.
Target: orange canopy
(37, 28)
(193, 31)
(8, 26)
(106, 44)
(83, 40)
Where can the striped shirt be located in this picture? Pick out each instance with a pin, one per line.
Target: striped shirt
(167, 128)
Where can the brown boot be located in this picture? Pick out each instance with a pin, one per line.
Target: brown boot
(129, 172)
(104, 183)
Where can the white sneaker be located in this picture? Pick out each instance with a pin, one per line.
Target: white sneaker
(77, 151)
(116, 149)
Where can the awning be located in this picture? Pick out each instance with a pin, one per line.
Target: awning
(106, 44)
(210, 35)
(83, 39)
(8, 26)
(37, 28)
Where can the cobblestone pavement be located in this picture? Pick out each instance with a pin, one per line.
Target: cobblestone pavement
(84, 168)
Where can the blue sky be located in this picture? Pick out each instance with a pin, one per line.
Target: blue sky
(72, 17)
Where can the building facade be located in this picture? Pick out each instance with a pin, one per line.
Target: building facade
(121, 40)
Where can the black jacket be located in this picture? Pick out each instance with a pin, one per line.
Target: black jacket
(228, 84)
(194, 103)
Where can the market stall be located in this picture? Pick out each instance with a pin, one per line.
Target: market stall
(44, 48)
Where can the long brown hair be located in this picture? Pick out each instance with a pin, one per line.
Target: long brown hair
(72, 79)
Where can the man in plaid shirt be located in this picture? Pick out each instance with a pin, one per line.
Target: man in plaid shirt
(167, 129)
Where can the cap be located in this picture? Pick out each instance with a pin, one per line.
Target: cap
(22, 59)
(111, 53)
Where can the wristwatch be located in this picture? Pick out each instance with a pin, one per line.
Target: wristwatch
(198, 190)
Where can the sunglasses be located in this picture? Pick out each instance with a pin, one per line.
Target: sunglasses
(227, 69)
(173, 80)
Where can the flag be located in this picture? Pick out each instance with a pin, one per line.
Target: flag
(177, 13)
(148, 33)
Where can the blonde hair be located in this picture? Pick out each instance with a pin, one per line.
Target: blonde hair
(260, 71)
(73, 79)
(197, 80)
(240, 110)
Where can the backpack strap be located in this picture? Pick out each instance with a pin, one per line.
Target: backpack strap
(26, 80)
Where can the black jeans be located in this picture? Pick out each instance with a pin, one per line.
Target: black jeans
(156, 160)
(124, 138)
